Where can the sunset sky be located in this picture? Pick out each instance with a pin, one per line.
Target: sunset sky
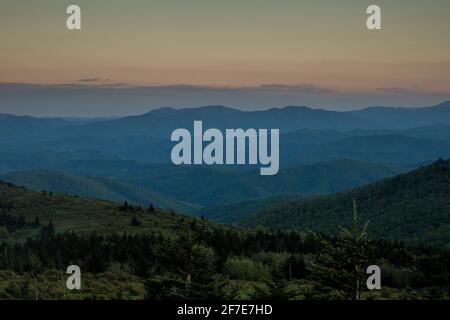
(249, 53)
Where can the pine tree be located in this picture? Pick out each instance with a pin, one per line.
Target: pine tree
(125, 207)
(48, 231)
(151, 208)
(340, 265)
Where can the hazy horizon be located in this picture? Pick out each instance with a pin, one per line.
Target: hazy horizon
(130, 57)
(140, 110)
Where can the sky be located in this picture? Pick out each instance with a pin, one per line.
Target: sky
(135, 55)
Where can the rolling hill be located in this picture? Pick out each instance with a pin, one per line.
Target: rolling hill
(413, 207)
(131, 253)
(402, 148)
(84, 216)
(215, 185)
(100, 188)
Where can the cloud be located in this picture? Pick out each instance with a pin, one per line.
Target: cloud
(299, 88)
(263, 88)
(397, 90)
(94, 98)
(93, 80)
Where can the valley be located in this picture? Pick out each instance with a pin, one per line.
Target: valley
(121, 259)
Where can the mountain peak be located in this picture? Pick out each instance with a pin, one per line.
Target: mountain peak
(215, 108)
(296, 108)
(160, 111)
(445, 104)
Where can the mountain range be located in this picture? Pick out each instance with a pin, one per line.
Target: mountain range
(128, 159)
(412, 207)
(212, 185)
(161, 122)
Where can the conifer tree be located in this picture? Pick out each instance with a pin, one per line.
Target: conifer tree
(340, 265)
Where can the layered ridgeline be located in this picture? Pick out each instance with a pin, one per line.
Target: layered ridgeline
(135, 182)
(161, 122)
(414, 207)
(389, 136)
(392, 149)
(402, 148)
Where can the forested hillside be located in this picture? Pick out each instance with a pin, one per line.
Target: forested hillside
(82, 215)
(128, 252)
(216, 185)
(237, 211)
(414, 206)
(94, 187)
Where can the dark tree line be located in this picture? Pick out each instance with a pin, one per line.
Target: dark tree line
(192, 265)
(13, 223)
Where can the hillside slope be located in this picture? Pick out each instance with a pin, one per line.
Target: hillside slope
(414, 206)
(81, 215)
(234, 212)
(214, 185)
(100, 188)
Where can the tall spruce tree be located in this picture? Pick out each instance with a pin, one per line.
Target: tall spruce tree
(340, 265)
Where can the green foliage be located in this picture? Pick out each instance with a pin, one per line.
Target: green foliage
(50, 285)
(4, 234)
(171, 256)
(237, 211)
(413, 207)
(135, 222)
(93, 187)
(342, 265)
(245, 269)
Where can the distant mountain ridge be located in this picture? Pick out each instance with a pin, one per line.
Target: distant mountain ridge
(161, 122)
(387, 149)
(403, 118)
(321, 151)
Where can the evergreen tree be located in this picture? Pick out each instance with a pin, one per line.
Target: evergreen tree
(340, 265)
(48, 231)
